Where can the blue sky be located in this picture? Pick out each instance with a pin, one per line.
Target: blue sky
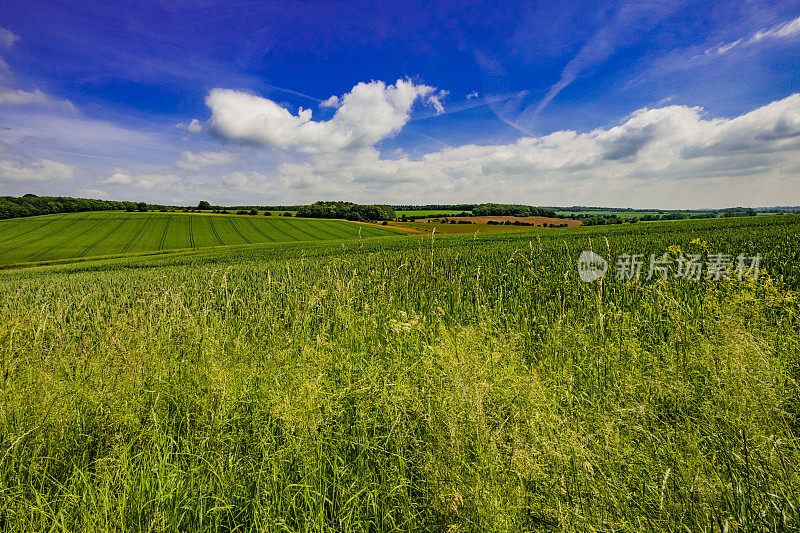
(662, 104)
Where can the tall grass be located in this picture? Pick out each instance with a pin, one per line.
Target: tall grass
(443, 384)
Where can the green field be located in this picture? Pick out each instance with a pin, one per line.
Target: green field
(426, 213)
(78, 235)
(410, 383)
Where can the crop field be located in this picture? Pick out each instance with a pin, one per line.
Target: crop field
(447, 228)
(425, 213)
(78, 235)
(410, 383)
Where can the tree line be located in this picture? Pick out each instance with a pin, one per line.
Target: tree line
(346, 210)
(32, 205)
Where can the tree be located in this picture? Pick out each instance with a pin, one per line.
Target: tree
(141, 206)
(204, 205)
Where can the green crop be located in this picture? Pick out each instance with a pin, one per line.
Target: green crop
(78, 235)
(403, 383)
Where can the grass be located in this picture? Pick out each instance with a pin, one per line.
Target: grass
(620, 214)
(409, 383)
(77, 235)
(446, 228)
(427, 212)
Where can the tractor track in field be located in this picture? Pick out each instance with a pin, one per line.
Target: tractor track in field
(59, 243)
(105, 236)
(33, 229)
(146, 223)
(164, 235)
(313, 237)
(191, 234)
(214, 231)
(62, 230)
(253, 224)
(276, 225)
(248, 241)
(325, 230)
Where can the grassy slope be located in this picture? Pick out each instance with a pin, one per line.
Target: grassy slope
(78, 235)
(456, 383)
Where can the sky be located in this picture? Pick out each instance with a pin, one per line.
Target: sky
(639, 104)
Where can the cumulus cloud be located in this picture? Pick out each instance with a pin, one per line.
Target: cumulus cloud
(122, 176)
(368, 113)
(119, 177)
(156, 181)
(246, 181)
(333, 101)
(200, 160)
(658, 146)
(37, 97)
(39, 170)
(7, 37)
(193, 126)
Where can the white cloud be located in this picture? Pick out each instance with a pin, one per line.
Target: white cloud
(779, 31)
(156, 181)
(368, 113)
(37, 97)
(333, 101)
(119, 177)
(7, 37)
(784, 30)
(91, 193)
(40, 170)
(246, 181)
(192, 127)
(200, 160)
(673, 148)
(195, 126)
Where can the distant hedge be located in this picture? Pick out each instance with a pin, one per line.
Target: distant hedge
(346, 210)
(514, 210)
(30, 205)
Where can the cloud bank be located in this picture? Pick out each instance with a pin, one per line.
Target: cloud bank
(652, 150)
(39, 170)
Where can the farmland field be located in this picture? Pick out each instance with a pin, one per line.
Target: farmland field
(426, 213)
(77, 235)
(410, 383)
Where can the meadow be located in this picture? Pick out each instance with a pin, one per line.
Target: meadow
(406, 383)
(427, 212)
(78, 235)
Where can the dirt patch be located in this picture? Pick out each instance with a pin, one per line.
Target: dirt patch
(539, 221)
